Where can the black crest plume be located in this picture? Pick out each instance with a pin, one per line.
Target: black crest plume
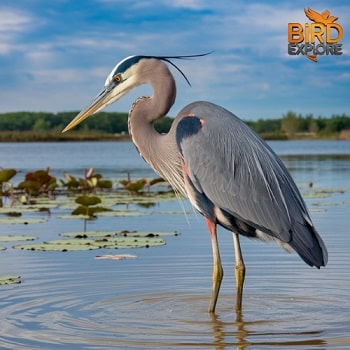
(182, 57)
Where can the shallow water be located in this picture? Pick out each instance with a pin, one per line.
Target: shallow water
(73, 301)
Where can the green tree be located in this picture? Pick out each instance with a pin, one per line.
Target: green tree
(290, 124)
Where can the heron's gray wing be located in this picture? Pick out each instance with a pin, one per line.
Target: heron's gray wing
(239, 173)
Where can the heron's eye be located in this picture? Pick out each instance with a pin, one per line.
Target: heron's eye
(117, 78)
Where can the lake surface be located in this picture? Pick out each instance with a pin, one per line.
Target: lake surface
(159, 300)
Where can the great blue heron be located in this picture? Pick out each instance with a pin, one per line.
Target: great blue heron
(229, 174)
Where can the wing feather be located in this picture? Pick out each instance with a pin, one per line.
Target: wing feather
(240, 173)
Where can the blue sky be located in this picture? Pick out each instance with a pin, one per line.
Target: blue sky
(55, 55)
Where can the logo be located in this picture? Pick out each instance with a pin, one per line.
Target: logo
(321, 37)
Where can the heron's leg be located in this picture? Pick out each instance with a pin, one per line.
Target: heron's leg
(239, 271)
(218, 271)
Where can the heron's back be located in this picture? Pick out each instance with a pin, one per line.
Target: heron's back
(234, 171)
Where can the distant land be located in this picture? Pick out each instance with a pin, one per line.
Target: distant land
(45, 126)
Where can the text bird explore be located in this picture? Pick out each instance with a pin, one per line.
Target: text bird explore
(229, 174)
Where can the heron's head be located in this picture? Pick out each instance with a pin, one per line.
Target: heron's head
(125, 76)
(119, 82)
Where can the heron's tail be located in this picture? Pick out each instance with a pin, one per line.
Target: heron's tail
(310, 246)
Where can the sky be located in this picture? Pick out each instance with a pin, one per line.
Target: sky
(56, 55)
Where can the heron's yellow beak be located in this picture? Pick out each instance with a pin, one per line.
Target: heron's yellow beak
(102, 100)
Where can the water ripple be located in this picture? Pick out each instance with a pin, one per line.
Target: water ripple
(161, 320)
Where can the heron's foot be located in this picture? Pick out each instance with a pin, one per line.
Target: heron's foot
(240, 275)
(218, 274)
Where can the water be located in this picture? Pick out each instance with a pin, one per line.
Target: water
(114, 159)
(73, 301)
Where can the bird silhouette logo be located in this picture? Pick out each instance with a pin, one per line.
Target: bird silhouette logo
(321, 37)
(316, 17)
(323, 17)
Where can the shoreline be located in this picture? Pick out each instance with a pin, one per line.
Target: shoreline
(26, 136)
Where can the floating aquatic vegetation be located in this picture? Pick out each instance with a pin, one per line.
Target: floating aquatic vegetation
(121, 198)
(87, 234)
(21, 220)
(100, 239)
(110, 213)
(89, 183)
(315, 195)
(73, 244)
(122, 213)
(19, 210)
(176, 212)
(330, 190)
(134, 186)
(38, 182)
(322, 192)
(129, 242)
(6, 188)
(326, 204)
(87, 206)
(10, 279)
(13, 214)
(70, 216)
(143, 186)
(317, 210)
(145, 199)
(88, 201)
(60, 245)
(147, 233)
(2, 248)
(14, 238)
(7, 174)
(125, 233)
(157, 181)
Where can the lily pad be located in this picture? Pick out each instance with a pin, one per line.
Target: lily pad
(60, 245)
(2, 248)
(129, 242)
(91, 234)
(315, 195)
(121, 213)
(90, 244)
(7, 174)
(89, 211)
(147, 233)
(88, 234)
(175, 212)
(317, 210)
(10, 279)
(21, 220)
(110, 199)
(24, 209)
(88, 200)
(68, 216)
(326, 204)
(14, 238)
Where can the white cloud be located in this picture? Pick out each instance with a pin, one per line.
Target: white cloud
(57, 76)
(249, 63)
(13, 21)
(188, 4)
(12, 24)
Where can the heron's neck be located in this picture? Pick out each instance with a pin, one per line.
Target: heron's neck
(146, 110)
(159, 151)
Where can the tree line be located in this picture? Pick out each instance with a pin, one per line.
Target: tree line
(290, 125)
